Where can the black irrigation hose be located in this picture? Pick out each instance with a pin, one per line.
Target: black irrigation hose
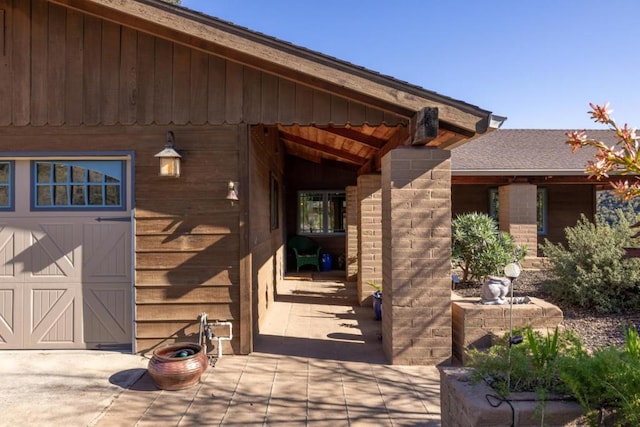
(500, 400)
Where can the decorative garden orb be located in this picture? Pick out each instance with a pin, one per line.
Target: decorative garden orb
(494, 290)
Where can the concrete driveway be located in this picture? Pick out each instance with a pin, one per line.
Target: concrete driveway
(63, 388)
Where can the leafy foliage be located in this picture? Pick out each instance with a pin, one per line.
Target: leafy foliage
(611, 210)
(479, 248)
(606, 380)
(592, 271)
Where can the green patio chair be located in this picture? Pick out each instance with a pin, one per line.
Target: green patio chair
(307, 252)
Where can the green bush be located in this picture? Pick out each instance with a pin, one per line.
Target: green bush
(479, 248)
(604, 382)
(592, 271)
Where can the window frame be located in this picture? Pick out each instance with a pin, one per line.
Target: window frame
(325, 213)
(274, 197)
(542, 205)
(11, 185)
(75, 208)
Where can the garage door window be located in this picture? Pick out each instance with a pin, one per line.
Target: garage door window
(6, 186)
(64, 185)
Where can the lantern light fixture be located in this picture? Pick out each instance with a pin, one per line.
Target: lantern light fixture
(169, 158)
(233, 191)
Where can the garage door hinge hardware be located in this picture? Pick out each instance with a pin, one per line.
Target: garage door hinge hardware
(113, 218)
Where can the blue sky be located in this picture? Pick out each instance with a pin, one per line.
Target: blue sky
(539, 62)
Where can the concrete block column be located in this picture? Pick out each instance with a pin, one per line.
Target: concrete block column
(351, 260)
(416, 225)
(369, 234)
(517, 214)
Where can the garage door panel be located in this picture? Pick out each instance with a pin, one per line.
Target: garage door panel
(8, 251)
(10, 326)
(107, 314)
(55, 317)
(106, 252)
(53, 252)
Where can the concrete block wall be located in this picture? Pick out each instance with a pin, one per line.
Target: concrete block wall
(416, 222)
(369, 234)
(518, 212)
(351, 261)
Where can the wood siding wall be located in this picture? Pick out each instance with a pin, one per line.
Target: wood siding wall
(266, 160)
(58, 66)
(188, 239)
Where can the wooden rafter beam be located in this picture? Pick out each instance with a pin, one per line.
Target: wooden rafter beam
(354, 135)
(342, 155)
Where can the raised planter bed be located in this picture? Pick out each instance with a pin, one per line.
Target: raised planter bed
(463, 404)
(474, 325)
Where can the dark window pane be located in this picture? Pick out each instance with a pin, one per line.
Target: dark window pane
(336, 212)
(95, 176)
(44, 196)
(4, 173)
(311, 213)
(4, 196)
(43, 172)
(95, 195)
(77, 195)
(61, 197)
(78, 174)
(113, 195)
(111, 180)
(61, 173)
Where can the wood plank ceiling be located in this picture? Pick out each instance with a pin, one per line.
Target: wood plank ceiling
(359, 148)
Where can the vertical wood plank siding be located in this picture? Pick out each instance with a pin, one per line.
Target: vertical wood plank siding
(109, 72)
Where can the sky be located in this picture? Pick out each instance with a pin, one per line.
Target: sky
(540, 63)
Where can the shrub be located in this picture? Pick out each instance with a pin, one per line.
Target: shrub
(605, 382)
(592, 272)
(479, 248)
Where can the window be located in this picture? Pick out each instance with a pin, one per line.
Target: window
(541, 208)
(275, 203)
(89, 184)
(321, 212)
(6, 186)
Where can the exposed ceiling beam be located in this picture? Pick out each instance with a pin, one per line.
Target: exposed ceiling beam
(354, 135)
(296, 139)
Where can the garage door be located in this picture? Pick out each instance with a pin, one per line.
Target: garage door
(65, 254)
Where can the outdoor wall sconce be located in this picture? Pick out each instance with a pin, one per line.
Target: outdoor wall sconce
(233, 191)
(169, 158)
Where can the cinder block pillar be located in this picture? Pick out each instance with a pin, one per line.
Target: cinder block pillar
(369, 234)
(517, 214)
(351, 261)
(416, 225)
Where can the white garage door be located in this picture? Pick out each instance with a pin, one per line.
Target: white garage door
(65, 254)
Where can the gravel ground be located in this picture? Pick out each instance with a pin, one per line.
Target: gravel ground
(595, 329)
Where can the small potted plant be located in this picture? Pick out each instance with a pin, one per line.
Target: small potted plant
(377, 299)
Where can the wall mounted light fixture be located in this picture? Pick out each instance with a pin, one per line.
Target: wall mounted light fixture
(233, 191)
(169, 158)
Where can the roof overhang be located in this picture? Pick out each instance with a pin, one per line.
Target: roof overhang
(457, 121)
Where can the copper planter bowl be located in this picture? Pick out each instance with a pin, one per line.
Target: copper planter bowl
(171, 370)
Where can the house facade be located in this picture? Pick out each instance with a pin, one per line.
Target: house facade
(99, 251)
(528, 180)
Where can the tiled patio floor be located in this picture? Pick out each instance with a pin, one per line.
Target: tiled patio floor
(318, 362)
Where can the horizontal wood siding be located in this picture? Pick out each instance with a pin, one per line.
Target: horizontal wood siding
(112, 74)
(187, 237)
